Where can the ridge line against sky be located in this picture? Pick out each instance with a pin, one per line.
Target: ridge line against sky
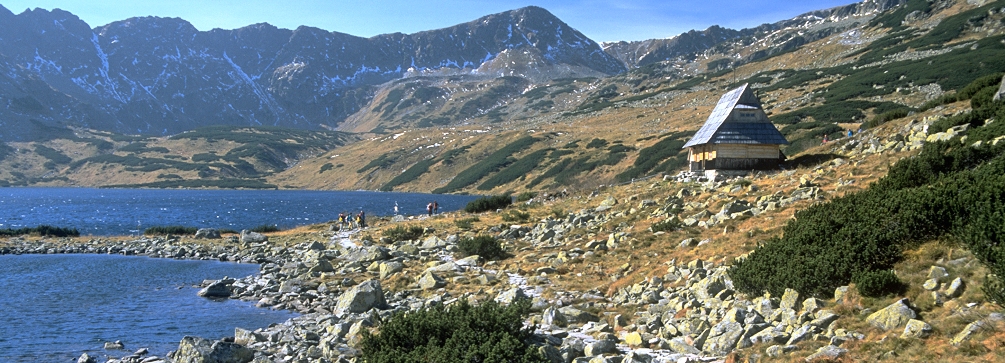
(601, 20)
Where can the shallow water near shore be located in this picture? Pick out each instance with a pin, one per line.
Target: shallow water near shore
(55, 307)
(122, 212)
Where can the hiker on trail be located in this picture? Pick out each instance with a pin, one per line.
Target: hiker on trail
(395, 208)
(341, 221)
(849, 133)
(436, 207)
(825, 138)
(429, 209)
(361, 219)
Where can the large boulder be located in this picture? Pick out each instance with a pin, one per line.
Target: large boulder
(917, 329)
(199, 350)
(252, 237)
(828, 353)
(207, 233)
(390, 268)
(216, 289)
(361, 298)
(893, 316)
(429, 281)
(509, 296)
(790, 300)
(84, 358)
(600, 347)
(368, 254)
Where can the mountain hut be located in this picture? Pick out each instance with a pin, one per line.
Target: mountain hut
(736, 137)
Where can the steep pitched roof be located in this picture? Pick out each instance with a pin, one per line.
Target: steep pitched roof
(717, 131)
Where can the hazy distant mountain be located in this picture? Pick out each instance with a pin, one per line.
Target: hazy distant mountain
(160, 75)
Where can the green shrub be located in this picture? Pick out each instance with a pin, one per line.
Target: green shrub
(486, 247)
(52, 154)
(886, 117)
(41, 230)
(326, 167)
(518, 169)
(878, 283)
(666, 226)
(596, 144)
(525, 196)
(413, 172)
(164, 230)
(460, 332)
(667, 149)
(944, 190)
(401, 233)
(515, 216)
(490, 203)
(266, 228)
(491, 163)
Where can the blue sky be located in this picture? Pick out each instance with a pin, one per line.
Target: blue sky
(601, 20)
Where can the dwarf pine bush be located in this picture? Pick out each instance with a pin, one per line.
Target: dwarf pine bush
(460, 332)
(950, 189)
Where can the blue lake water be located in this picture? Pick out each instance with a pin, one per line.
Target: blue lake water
(55, 307)
(104, 212)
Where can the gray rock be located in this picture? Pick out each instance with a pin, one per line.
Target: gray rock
(571, 348)
(917, 329)
(217, 289)
(245, 336)
(576, 316)
(449, 266)
(507, 297)
(84, 358)
(824, 318)
(429, 281)
(207, 233)
(609, 202)
(772, 335)
(931, 285)
(681, 346)
(321, 265)
(252, 237)
(199, 350)
(790, 300)
(554, 317)
(390, 268)
(600, 347)
(723, 343)
(777, 350)
(893, 316)
(811, 305)
(361, 298)
(551, 354)
(828, 352)
(840, 293)
(637, 357)
(955, 288)
(968, 331)
(937, 273)
(116, 345)
(801, 334)
(433, 242)
(368, 254)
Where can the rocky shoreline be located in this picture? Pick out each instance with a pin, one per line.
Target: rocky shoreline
(343, 283)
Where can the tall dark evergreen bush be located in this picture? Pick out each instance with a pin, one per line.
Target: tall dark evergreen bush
(461, 332)
(950, 190)
(485, 204)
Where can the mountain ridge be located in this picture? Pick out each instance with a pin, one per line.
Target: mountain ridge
(153, 75)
